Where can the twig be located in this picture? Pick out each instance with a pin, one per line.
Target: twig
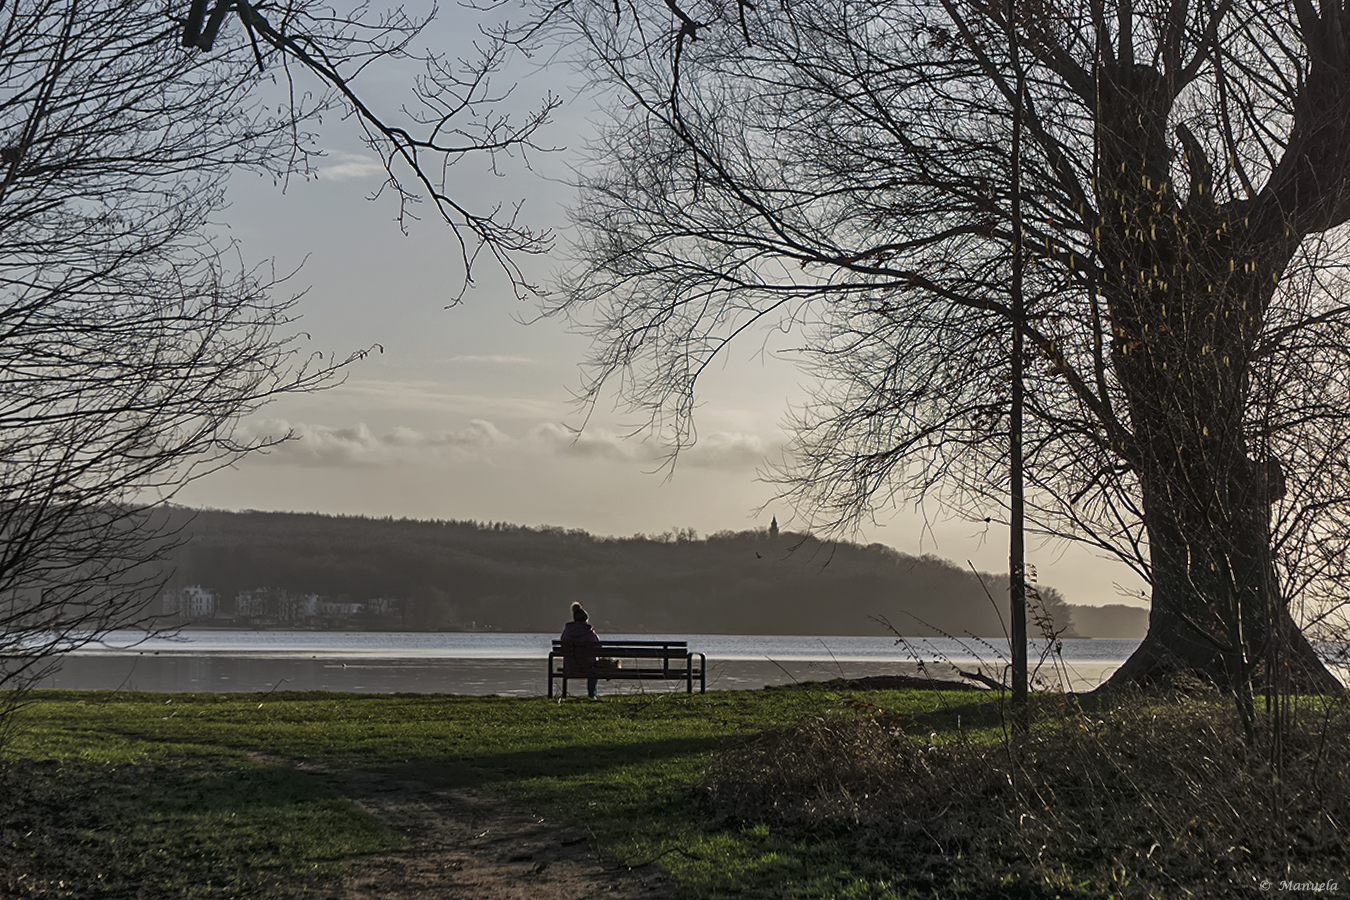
(277, 685)
(983, 679)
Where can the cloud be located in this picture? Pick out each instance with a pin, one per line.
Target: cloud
(324, 445)
(594, 443)
(357, 446)
(717, 450)
(339, 166)
(727, 450)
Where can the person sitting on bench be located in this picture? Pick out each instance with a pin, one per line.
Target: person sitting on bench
(580, 630)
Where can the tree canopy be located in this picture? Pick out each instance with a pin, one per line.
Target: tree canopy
(132, 338)
(843, 169)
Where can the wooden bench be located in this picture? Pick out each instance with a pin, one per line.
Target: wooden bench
(640, 661)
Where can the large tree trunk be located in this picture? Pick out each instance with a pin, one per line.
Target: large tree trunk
(1172, 654)
(1186, 283)
(1218, 615)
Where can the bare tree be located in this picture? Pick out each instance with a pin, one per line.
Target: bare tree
(844, 166)
(131, 339)
(456, 110)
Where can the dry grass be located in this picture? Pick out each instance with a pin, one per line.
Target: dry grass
(1143, 799)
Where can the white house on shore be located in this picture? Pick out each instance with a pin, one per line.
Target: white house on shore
(273, 606)
(191, 602)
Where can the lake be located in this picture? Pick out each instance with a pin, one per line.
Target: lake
(515, 664)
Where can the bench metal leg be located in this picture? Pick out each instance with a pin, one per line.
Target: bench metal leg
(667, 672)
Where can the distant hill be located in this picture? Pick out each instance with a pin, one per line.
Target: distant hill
(448, 575)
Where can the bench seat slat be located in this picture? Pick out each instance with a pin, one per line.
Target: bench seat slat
(666, 660)
(631, 653)
(633, 645)
(638, 674)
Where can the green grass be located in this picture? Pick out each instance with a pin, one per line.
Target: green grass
(175, 821)
(769, 795)
(145, 783)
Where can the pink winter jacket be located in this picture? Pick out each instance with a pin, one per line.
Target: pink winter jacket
(579, 631)
(579, 663)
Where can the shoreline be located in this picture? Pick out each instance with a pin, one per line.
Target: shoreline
(221, 673)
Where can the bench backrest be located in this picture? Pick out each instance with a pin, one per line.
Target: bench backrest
(625, 649)
(580, 656)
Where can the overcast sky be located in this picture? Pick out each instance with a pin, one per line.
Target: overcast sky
(466, 413)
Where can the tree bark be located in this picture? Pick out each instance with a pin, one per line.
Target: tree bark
(1187, 283)
(1217, 614)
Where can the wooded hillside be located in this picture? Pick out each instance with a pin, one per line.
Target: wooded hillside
(451, 575)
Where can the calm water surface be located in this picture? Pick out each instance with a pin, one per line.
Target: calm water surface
(493, 663)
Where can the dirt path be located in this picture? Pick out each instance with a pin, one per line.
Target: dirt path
(462, 846)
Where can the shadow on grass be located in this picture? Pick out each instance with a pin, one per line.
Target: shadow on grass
(958, 717)
(102, 792)
(591, 761)
(78, 829)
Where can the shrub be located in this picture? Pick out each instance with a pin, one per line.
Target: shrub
(1142, 799)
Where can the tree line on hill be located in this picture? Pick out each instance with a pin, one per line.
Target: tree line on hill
(465, 575)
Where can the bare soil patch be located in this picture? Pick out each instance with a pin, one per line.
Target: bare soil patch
(461, 844)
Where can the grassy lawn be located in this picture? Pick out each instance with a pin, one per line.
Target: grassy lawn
(813, 791)
(191, 795)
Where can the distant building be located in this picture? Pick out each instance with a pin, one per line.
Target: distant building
(333, 609)
(307, 606)
(192, 602)
(381, 606)
(773, 527)
(264, 604)
(250, 604)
